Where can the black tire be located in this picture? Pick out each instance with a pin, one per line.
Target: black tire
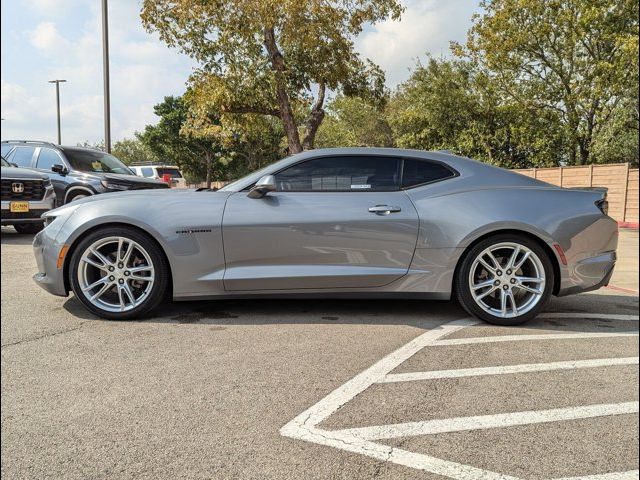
(77, 196)
(28, 228)
(159, 288)
(463, 290)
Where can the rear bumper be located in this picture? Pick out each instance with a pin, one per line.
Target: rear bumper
(590, 274)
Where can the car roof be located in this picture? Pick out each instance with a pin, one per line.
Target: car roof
(482, 173)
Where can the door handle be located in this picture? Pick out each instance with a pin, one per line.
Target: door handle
(384, 209)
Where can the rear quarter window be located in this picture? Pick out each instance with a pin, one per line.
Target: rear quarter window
(420, 172)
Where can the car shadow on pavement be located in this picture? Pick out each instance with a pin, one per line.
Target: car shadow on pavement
(11, 237)
(417, 313)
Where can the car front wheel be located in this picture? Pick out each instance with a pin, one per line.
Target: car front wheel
(505, 279)
(119, 273)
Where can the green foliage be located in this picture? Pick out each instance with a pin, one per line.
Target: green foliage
(354, 122)
(272, 57)
(131, 150)
(574, 59)
(450, 105)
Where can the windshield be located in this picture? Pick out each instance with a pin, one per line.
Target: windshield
(95, 161)
(5, 163)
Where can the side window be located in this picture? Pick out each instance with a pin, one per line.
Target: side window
(419, 172)
(6, 149)
(342, 174)
(47, 159)
(22, 156)
(147, 171)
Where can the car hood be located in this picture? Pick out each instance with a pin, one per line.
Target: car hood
(21, 174)
(146, 195)
(120, 178)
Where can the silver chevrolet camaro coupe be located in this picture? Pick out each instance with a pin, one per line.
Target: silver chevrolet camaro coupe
(347, 223)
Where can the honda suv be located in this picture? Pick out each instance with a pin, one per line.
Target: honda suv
(26, 195)
(76, 172)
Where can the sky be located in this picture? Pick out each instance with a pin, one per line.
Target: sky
(61, 39)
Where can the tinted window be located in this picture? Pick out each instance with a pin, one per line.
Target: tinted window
(341, 174)
(146, 171)
(95, 161)
(174, 172)
(22, 156)
(47, 159)
(418, 172)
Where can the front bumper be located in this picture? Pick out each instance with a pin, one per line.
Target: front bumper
(46, 250)
(36, 209)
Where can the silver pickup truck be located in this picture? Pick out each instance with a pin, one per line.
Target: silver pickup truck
(26, 195)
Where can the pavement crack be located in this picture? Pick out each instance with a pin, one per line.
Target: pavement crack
(47, 335)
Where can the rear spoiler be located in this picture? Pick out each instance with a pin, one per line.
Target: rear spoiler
(603, 191)
(601, 202)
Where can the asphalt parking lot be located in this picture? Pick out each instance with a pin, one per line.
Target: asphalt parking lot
(326, 389)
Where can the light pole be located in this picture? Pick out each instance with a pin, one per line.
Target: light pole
(58, 82)
(105, 71)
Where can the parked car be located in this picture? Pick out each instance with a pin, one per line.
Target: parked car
(76, 172)
(363, 222)
(165, 173)
(26, 195)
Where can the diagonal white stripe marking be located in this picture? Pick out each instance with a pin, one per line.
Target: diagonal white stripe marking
(460, 424)
(506, 369)
(589, 316)
(630, 475)
(385, 453)
(523, 338)
(332, 402)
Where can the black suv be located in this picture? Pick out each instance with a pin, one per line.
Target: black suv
(76, 172)
(26, 195)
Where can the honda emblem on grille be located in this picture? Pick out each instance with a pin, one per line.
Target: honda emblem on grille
(17, 187)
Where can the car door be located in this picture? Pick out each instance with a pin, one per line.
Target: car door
(47, 158)
(334, 222)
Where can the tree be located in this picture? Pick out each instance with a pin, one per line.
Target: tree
(354, 122)
(452, 105)
(131, 150)
(167, 142)
(272, 57)
(575, 59)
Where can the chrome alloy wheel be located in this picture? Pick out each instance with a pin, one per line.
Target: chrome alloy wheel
(115, 274)
(507, 280)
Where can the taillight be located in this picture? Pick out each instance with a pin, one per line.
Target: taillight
(603, 205)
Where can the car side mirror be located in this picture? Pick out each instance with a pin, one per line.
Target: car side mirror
(263, 186)
(58, 168)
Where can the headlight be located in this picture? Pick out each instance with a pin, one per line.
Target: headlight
(114, 186)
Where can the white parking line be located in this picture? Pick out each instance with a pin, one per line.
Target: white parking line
(501, 420)
(630, 475)
(524, 338)
(305, 426)
(589, 316)
(507, 369)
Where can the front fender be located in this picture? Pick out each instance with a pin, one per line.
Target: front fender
(187, 226)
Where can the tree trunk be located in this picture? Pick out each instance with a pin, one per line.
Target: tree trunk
(286, 112)
(209, 160)
(315, 119)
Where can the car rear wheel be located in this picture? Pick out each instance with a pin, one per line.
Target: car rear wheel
(119, 273)
(505, 279)
(25, 228)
